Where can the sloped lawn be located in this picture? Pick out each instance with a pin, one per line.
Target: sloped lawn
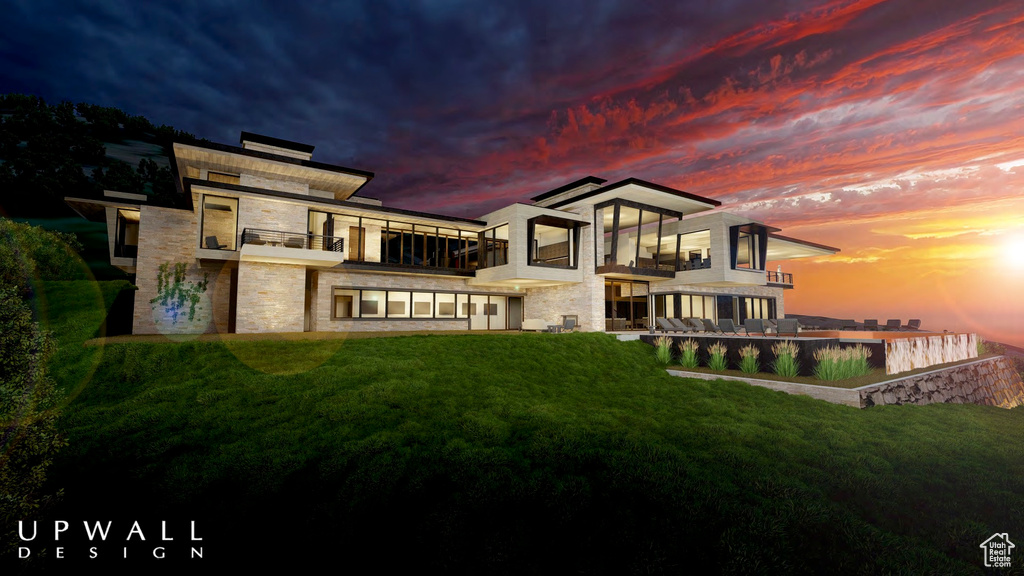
(516, 453)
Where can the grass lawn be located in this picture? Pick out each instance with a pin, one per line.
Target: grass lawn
(513, 454)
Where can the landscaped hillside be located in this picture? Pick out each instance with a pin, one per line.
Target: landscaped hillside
(488, 454)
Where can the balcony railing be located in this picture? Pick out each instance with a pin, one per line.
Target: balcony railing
(302, 240)
(780, 278)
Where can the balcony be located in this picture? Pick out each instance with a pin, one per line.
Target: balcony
(780, 279)
(300, 248)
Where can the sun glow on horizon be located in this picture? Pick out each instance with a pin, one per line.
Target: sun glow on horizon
(1013, 252)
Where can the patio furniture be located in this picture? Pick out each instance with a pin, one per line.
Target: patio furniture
(892, 324)
(534, 325)
(788, 327)
(680, 325)
(729, 327)
(755, 326)
(696, 324)
(710, 326)
(294, 242)
(871, 325)
(770, 325)
(568, 325)
(914, 324)
(667, 326)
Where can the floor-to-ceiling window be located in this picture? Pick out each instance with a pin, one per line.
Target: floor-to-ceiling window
(625, 305)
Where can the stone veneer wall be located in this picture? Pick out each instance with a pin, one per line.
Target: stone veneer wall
(271, 184)
(905, 354)
(168, 235)
(271, 297)
(992, 382)
(266, 214)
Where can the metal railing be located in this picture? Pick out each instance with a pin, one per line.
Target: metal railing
(303, 240)
(780, 277)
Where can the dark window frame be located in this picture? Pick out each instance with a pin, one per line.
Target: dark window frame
(202, 222)
(572, 228)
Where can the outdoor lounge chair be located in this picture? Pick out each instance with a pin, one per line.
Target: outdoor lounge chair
(710, 326)
(667, 326)
(568, 325)
(892, 324)
(871, 325)
(755, 326)
(788, 327)
(696, 324)
(680, 325)
(729, 327)
(914, 324)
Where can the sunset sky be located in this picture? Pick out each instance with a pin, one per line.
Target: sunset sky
(893, 130)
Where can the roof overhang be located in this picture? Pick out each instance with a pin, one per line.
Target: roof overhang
(96, 210)
(340, 181)
(642, 192)
(786, 248)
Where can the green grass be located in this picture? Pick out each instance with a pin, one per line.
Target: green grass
(518, 453)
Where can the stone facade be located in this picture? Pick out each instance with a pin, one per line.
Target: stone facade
(271, 297)
(168, 236)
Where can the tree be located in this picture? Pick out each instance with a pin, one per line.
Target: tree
(29, 438)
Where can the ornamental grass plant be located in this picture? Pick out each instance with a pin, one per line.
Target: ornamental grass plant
(688, 353)
(716, 357)
(836, 363)
(785, 364)
(663, 349)
(748, 359)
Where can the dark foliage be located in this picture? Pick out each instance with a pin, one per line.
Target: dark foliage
(49, 151)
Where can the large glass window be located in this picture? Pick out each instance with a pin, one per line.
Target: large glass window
(494, 247)
(220, 223)
(484, 311)
(694, 249)
(748, 246)
(634, 235)
(553, 242)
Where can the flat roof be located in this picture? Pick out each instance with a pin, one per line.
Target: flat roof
(575, 184)
(783, 248)
(278, 142)
(645, 193)
(384, 211)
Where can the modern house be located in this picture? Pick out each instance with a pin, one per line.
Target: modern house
(267, 240)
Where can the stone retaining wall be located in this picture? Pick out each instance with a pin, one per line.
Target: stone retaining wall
(990, 382)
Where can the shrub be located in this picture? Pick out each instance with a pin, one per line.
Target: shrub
(748, 359)
(663, 349)
(841, 363)
(716, 357)
(29, 438)
(688, 353)
(30, 252)
(785, 364)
